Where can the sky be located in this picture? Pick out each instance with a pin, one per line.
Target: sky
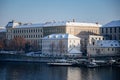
(40, 11)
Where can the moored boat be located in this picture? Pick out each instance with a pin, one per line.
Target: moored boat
(59, 64)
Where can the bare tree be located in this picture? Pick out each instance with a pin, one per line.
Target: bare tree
(17, 43)
(61, 47)
(52, 47)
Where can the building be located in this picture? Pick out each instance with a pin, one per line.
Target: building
(35, 32)
(31, 32)
(61, 44)
(81, 30)
(111, 30)
(103, 47)
(93, 38)
(2, 33)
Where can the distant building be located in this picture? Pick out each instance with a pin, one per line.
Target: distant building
(2, 33)
(61, 44)
(103, 47)
(31, 32)
(111, 30)
(35, 32)
(93, 38)
(81, 30)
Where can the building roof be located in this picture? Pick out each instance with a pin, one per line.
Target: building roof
(112, 24)
(74, 50)
(2, 29)
(107, 43)
(50, 24)
(12, 24)
(60, 36)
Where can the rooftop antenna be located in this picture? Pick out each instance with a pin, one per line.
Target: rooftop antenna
(73, 20)
(13, 20)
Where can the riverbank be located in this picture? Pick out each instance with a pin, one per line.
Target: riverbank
(44, 58)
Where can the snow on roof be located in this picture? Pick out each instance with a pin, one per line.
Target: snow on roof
(107, 43)
(29, 25)
(50, 24)
(60, 36)
(2, 29)
(112, 24)
(74, 50)
(12, 24)
(83, 24)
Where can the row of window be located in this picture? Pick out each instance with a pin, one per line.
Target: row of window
(26, 30)
(108, 49)
(97, 39)
(110, 30)
(57, 30)
(114, 37)
(29, 36)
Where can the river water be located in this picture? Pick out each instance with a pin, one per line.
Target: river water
(41, 71)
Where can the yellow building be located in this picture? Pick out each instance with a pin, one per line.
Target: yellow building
(81, 30)
(34, 32)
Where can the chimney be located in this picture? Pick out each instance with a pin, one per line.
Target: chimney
(73, 20)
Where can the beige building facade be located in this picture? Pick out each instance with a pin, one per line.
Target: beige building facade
(81, 30)
(35, 32)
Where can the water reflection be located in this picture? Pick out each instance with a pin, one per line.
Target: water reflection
(38, 71)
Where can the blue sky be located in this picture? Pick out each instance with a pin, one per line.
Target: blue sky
(39, 11)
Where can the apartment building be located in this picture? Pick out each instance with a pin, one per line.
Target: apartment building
(111, 30)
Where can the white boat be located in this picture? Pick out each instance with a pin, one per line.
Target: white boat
(91, 65)
(60, 64)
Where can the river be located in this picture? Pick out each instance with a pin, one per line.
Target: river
(41, 71)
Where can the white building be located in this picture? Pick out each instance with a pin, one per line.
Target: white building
(60, 44)
(104, 47)
(93, 38)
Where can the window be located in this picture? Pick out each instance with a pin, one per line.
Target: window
(108, 49)
(106, 30)
(115, 44)
(119, 29)
(74, 41)
(110, 30)
(93, 43)
(74, 45)
(112, 49)
(114, 37)
(115, 29)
